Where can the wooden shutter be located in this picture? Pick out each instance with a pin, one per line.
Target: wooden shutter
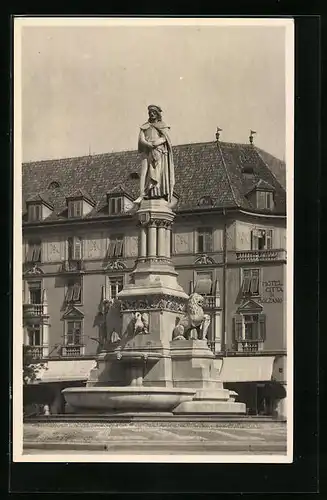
(69, 294)
(254, 284)
(77, 254)
(246, 283)
(262, 327)
(216, 290)
(76, 296)
(208, 240)
(30, 253)
(119, 248)
(254, 240)
(269, 239)
(37, 252)
(70, 248)
(111, 249)
(238, 327)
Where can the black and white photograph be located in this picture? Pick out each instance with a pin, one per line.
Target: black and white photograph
(153, 240)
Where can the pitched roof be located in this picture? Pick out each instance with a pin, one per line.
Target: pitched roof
(262, 185)
(201, 169)
(39, 197)
(81, 193)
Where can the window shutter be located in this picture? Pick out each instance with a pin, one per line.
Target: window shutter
(254, 285)
(254, 240)
(262, 327)
(238, 327)
(77, 249)
(269, 237)
(76, 292)
(119, 248)
(37, 253)
(30, 252)
(78, 208)
(111, 248)
(246, 284)
(70, 248)
(69, 294)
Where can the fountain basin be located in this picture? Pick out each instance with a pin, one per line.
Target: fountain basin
(126, 399)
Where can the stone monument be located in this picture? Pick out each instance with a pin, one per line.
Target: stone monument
(160, 361)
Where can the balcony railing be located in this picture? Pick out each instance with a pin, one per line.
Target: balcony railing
(72, 351)
(249, 345)
(210, 301)
(260, 255)
(33, 310)
(37, 351)
(72, 266)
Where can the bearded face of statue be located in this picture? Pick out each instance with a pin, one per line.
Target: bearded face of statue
(154, 115)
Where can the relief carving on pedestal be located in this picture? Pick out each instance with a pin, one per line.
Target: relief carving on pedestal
(157, 301)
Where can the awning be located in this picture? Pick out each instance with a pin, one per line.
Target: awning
(66, 370)
(247, 369)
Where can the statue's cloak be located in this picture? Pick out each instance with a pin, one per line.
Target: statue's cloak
(162, 128)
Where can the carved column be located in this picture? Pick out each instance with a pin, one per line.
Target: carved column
(142, 250)
(152, 239)
(161, 239)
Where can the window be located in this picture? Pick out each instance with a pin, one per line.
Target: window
(34, 335)
(206, 200)
(261, 239)
(204, 240)
(250, 281)
(203, 283)
(115, 205)
(116, 246)
(250, 327)
(74, 291)
(73, 332)
(265, 200)
(35, 212)
(74, 248)
(75, 208)
(35, 292)
(114, 286)
(34, 251)
(54, 185)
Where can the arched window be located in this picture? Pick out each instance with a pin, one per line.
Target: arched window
(54, 185)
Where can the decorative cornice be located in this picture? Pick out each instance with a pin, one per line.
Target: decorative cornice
(115, 265)
(204, 260)
(33, 271)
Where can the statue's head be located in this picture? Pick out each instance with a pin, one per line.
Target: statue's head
(154, 113)
(195, 299)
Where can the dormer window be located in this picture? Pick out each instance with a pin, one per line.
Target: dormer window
(75, 208)
(38, 207)
(115, 205)
(79, 204)
(35, 212)
(265, 200)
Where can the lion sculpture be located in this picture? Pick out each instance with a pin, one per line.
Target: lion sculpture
(194, 324)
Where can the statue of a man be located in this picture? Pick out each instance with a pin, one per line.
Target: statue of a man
(157, 177)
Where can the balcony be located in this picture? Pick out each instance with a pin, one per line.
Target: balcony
(72, 351)
(72, 266)
(260, 255)
(211, 302)
(249, 345)
(34, 313)
(37, 351)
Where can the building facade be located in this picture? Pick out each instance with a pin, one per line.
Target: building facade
(228, 243)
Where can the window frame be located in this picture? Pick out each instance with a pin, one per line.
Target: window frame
(73, 213)
(70, 290)
(30, 330)
(34, 251)
(71, 248)
(240, 326)
(268, 236)
(34, 212)
(116, 246)
(250, 283)
(202, 232)
(38, 285)
(262, 197)
(73, 343)
(110, 280)
(115, 205)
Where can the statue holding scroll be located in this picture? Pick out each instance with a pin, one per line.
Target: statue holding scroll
(157, 177)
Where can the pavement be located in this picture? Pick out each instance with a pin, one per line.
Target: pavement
(155, 438)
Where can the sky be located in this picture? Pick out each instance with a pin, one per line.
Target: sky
(86, 89)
